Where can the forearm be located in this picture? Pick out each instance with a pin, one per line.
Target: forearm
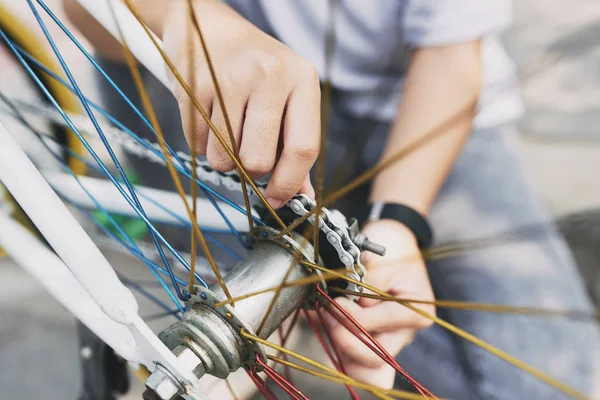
(440, 95)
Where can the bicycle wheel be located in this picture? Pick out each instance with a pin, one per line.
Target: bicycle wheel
(225, 316)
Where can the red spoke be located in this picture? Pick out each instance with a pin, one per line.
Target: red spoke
(335, 349)
(261, 385)
(287, 334)
(290, 389)
(335, 361)
(284, 338)
(287, 371)
(373, 344)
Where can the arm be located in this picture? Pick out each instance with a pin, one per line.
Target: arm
(440, 93)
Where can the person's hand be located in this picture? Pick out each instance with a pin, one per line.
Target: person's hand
(401, 273)
(271, 94)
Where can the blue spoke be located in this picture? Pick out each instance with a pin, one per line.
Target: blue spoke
(134, 250)
(98, 205)
(122, 95)
(112, 155)
(90, 150)
(139, 140)
(182, 221)
(104, 74)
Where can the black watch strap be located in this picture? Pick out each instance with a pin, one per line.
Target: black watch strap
(412, 219)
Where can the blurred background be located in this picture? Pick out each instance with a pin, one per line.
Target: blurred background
(556, 45)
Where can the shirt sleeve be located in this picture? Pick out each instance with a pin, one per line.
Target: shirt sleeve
(442, 22)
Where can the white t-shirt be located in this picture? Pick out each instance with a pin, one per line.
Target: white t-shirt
(373, 43)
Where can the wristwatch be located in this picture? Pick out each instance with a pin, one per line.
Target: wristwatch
(409, 217)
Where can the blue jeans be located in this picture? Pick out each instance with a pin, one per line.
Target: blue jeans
(486, 195)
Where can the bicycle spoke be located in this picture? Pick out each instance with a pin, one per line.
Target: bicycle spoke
(283, 383)
(193, 187)
(487, 307)
(175, 178)
(102, 137)
(330, 374)
(335, 360)
(200, 109)
(196, 24)
(476, 341)
(181, 168)
(329, 275)
(123, 234)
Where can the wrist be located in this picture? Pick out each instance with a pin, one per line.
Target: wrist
(411, 219)
(390, 225)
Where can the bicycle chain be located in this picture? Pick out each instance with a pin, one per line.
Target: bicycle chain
(150, 151)
(335, 227)
(331, 222)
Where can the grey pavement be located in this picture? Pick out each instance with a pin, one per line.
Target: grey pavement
(555, 44)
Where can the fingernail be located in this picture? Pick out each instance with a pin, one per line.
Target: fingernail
(275, 203)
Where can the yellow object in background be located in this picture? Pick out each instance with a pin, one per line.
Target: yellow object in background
(19, 33)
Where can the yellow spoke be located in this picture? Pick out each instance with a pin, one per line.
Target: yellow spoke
(193, 183)
(213, 75)
(131, 63)
(475, 340)
(298, 282)
(200, 109)
(472, 306)
(329, 372)
(288, 364)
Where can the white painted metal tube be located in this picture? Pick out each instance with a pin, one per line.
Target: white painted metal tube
(80, 254)
(63, 232)
(109, 197)
(135, 36)
(47, 269)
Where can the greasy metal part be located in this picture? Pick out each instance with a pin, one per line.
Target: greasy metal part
(365, 245)
(339, 234)
(361, 241)
(208, 339)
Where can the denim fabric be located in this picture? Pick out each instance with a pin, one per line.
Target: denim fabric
(486, 195)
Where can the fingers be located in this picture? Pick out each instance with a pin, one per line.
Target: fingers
(401, 280)
(301, 139)
(194, 126)
(216, 155)
(382, 376)
(260, 137)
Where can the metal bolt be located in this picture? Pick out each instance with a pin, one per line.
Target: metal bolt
(161, 386)
(364, 244)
